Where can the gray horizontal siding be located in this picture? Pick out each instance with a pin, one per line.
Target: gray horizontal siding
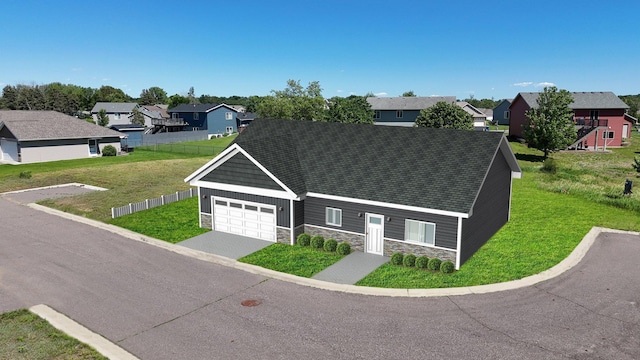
(491, 210)
(239, 170)
(282, 217)
(314, 214)
(298, 213)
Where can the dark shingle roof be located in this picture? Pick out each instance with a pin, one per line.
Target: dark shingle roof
(192, 108)
(429, 168)
(45, 125)
(583, 100)
(407, 102)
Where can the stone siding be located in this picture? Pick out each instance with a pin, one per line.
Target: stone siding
(205, 219)
(297, 231)
(283, 235)
(356, 241)
(391, 247)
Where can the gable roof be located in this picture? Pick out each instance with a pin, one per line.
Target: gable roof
(245, 116)
(581, 100)
(470, 109)
(372, 163)
(407, 102)
(114, 107)
(155, 109)
(192, 108)
(28, 125)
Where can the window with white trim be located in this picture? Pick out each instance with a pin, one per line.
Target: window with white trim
(228, 115)
(377, 114)
(420, 232)
(116, 116)
(594, 114)
(196, 116)
(399, 114)
(507, 114)
(334, 216)
(607, 134)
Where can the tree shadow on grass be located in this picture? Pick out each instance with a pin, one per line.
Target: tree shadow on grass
(530, 157)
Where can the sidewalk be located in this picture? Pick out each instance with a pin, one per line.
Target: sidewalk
(351, 269)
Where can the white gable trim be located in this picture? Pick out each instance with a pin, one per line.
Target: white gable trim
(226, 155)
(243, 189)
(389, 205)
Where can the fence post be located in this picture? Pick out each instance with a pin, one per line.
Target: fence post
(162, 197)
(113, 213)
(177, 195)
(146, 204)
(130, 208)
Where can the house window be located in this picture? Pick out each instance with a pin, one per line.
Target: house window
(116, 116)
(196, 116)
(174, 115)
(607, 134)
(229, 130)
(228, 115)
(94, 148)
(594, 114)
(399, 114)
(420, 232)
(507, 114)
(334, 217)
(376, 115)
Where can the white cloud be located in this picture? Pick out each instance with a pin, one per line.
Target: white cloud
(523, 84)
(339, 91)
(545, 84)
(381, 94)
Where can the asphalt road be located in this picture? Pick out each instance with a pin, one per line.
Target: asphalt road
(161, 305)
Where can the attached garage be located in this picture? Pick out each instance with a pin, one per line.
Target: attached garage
(9, 150)
(244, 218)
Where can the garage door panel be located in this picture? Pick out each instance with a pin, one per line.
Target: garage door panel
(245, 218)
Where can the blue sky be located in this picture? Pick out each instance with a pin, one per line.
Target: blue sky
(488, 49)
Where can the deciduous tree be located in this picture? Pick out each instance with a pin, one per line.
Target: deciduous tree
(152, 96)
(352, 109)
(550, 127)
(294, 102)
(445, 115)
(409, 93)
(103, 118)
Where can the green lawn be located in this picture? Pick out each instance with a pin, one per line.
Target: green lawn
(203, 147)
(296, 260)
(24, 335)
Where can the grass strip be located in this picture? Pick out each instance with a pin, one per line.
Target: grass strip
(296, 260)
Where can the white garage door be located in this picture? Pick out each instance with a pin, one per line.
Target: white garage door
(245, 218)
(9, 150)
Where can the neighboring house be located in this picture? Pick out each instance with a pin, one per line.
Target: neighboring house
(488, 113)
(426, 191)
(217, 119)
(403, 110)
(600, 118)
(479, 118)
(243, 119)
(35, 136)
(133, 135)
(501, 112)
(152, 114)
(118, 113)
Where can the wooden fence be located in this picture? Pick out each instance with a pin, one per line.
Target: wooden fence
(151, 203)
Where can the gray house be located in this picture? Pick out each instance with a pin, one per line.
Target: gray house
(381, 188)
(118, 113)
(35, 136)
(403, 110)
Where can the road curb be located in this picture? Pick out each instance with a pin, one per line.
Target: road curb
(570, 261)
(77, 331)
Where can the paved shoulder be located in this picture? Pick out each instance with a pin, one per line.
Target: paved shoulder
(352, 268)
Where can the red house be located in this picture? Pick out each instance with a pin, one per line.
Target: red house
(600, 118)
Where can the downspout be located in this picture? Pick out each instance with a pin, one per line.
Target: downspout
(458, 243)
(292, 222)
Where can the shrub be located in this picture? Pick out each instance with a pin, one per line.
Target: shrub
(409, 260)
(304, 239)
(549, 166)
(109, 150)
(447, 267)
(396, 258)
(421, 262)
(343, 248)
(317, 242)
(25, 175)
(434, 264)
(330, 245)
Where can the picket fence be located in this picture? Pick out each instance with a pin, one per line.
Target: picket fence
(151, 203)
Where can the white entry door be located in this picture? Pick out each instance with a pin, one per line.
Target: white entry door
(375, 234)
(625, 130)
(244, 218)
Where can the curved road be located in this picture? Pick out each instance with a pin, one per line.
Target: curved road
(161, 305)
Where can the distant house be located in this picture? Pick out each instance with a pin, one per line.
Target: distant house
(501, 112)
(132, 135)
(403, 110)
(600, 118)
(36, 136)
(118, 113)
(217, 119)
(488, 113)
(382, 189)
(243, 119)
(479, 118)
(151, 113)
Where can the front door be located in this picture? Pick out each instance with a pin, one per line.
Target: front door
(625, 130)
(375, 234)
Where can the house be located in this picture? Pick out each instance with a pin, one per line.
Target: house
(599, 116)
(381, 188)
(132, 135)
(151, 114)
(488, 113)
(479, 118)
(501, 112)
(217, 119)
(243, 119)
(35, 136)
(118, 113)
(403, 110)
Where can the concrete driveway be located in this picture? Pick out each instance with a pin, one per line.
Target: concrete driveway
(158, 304)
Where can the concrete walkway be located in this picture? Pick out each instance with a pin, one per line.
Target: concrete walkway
(351, 268)
(225, 244)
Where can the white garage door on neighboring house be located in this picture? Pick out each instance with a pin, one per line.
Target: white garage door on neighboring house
(244, 218)
(9, 150)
